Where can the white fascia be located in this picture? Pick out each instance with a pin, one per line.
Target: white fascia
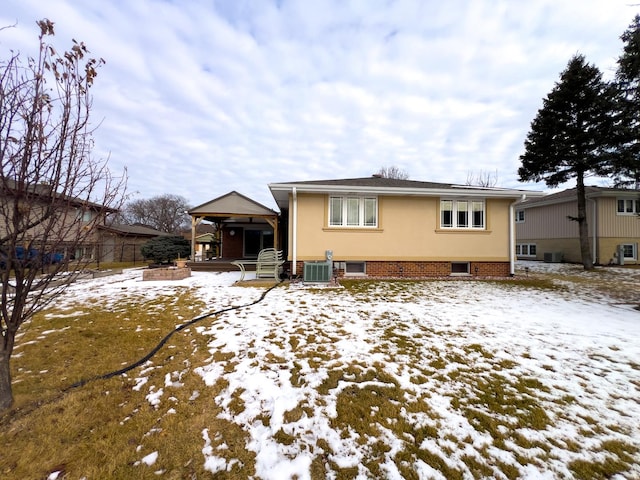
(458, 191)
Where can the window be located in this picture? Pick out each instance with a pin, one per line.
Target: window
(335, 210)
(462, 214)
(628, 206)
(353, 212)
(355, 268)
(459, 268)
(519, 216)
(526, 249)
(629, 251)
(84, 215)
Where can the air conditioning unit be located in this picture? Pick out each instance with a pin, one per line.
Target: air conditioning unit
(317, 272)
(553, 257)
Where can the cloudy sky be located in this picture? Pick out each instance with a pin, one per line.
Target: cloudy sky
(201, 97)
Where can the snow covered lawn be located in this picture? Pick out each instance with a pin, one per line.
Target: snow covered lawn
(406, 379)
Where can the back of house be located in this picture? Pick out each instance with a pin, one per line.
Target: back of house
(382, 227)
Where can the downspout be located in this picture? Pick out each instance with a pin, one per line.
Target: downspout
(594, 245)
(294, 236)
(512, 236)
(193, 238)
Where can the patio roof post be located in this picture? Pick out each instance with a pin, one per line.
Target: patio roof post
(193, 239)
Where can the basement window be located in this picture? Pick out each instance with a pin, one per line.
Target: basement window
(459, 268)
(355, 268)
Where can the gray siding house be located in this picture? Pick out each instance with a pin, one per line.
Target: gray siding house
(545, 230)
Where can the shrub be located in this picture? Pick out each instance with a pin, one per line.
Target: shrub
(166, 249)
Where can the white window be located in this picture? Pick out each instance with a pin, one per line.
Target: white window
(629, 251)
(350, 211)
(627, 206)
(519, 216)
(462, 214)
(526, 249)
(84, 215)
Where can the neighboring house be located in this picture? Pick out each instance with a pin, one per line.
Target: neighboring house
(243, 226)
(207, 241)
(381, 227)
(48, 211)
(545, 229)
(123, 243)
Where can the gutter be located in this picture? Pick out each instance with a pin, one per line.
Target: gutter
(512, 235)
(594, 226)
(294, 239)
(457, 190)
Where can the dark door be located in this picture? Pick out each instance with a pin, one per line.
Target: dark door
(256, 240)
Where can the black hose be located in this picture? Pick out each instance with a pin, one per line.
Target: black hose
(155, 350)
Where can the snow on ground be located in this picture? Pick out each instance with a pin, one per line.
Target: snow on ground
(558, 371)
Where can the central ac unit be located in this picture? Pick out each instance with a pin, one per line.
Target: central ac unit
(553, 257)
(317, 272)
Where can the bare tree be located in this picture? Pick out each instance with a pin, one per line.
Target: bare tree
(164, 212)
(393, 172)
(482, 179)
(53, 193)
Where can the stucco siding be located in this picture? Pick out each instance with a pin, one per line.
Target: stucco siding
(408, 229)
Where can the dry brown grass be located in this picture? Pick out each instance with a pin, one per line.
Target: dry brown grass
(104, 428)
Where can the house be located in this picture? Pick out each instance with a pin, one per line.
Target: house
(207, 241)
(123, 243)
(36, 217)
(382, 227)
(545, 229)
(242, 226)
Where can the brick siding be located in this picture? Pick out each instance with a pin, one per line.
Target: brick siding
(376, 269)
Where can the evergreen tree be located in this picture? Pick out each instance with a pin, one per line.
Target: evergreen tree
(628, 83)
(166, 249)
(572, 137)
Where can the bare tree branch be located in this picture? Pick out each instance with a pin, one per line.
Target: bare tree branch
(393, 172)
(53, 193)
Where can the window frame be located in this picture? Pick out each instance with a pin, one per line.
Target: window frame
(524, 250)
(625, 203)
(520, 216)
(361, 269)
(463, 214)
(356, 211)
(460, 268)
(634, 251)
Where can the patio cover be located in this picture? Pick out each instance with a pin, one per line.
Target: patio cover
(231, 205)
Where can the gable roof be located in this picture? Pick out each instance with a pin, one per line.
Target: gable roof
(232, 204)
(9, 187)
(570, 195)
(376, 185)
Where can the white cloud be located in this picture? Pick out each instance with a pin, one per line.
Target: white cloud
(200, 98)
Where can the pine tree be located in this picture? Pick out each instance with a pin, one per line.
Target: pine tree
(628, 83)
(572, 137)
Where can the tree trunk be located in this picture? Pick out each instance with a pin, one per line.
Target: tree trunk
(6, 395)
(583, 225)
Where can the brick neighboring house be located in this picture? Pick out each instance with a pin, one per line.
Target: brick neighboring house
(381, 227)
(545, 231)
(122, 243)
